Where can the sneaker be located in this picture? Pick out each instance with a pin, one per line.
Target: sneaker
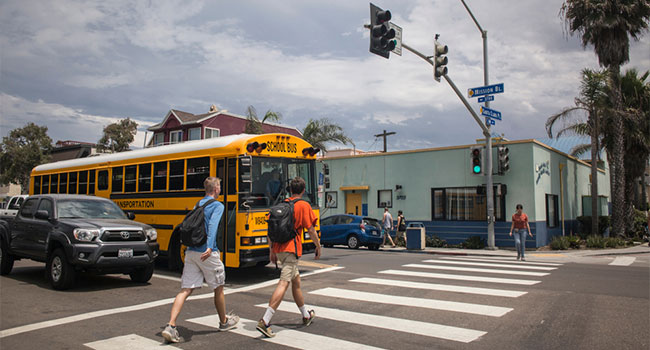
(306, 321)
(523, 259)
(231, 322)
(171, 334)
(518, 257)
(264, 329)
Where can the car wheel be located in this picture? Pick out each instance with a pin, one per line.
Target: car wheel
(175, 253)
(60, 272)
(142, 275)
(6, 259)
(373, 246)
(353, 242)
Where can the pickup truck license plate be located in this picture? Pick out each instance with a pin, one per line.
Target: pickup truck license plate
(125, 253)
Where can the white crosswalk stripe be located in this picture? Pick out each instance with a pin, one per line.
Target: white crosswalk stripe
(476, 309)
(623, 261)
(285, 336)
(472, 269)
(512, 266)
(460, 277)
(130, 341)
(426, 329)
(441, 287)
(503, 260)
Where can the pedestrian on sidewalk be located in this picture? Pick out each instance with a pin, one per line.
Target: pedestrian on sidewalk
(201, 263)
(521, 228)
(288, 254)
(387, 224)
(401, 226)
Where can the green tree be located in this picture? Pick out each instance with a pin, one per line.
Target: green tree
(608, 26)
(322, 131)
(254, 124)
(118, 136)
(592, 102)
(21, 151)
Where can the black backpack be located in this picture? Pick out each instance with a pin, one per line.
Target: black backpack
(281, 222)
(192, 229)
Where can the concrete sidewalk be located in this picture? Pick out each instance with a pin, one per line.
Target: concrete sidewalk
(511, 253)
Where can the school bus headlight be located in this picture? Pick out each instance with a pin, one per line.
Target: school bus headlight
(261, 240)
(151, 233)
(254, 240)
(307, 236)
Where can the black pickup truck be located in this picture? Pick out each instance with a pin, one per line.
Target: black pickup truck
(72, 233)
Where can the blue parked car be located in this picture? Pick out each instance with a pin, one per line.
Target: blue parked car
(351, 230)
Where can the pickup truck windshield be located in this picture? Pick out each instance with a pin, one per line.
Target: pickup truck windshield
(88, 209)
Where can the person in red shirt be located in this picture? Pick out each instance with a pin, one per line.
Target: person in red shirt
(288, 254)
(521, 227)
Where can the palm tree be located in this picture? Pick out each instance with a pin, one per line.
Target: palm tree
(254, 124)
(608, 26)
(592, 102)
(322, 131)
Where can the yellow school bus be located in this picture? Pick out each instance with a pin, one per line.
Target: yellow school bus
(162, 184)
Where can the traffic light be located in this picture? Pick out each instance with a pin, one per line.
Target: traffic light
(476, 160)
(439, 61)
(382, 36)
(504, 159)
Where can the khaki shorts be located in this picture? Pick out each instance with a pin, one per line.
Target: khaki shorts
(289, 266)
(401, 234)
(195, 271)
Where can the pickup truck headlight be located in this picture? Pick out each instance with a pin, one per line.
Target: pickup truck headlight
(85, 235)
(151, 233)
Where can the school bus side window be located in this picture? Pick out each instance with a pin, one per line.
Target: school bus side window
(55, 183)
(117, 179)
(197, 170)
(37, 185)
(91, 182)
(83, 182)
(72, 185)
(176, 174)
(102, 180)
(63, 183)
(160, 176)
(130, 178)
(144, 177)
(46, 184)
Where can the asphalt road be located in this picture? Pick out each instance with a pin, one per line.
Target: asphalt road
(362, 299)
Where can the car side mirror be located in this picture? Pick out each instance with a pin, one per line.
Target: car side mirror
(42, 215)
(130, 215)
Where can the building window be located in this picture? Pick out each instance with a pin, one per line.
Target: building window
(602, 206)
(158, 139)
(194, 134)
(551, 210)
(211, 132)
(176, 136)
(385, 198)
(465, 204)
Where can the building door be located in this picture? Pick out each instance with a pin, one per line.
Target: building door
(353, 203)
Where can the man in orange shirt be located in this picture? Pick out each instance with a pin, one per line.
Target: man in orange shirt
(288, 254)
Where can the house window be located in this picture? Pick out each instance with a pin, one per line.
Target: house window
(385, 198)
(158, 139)
(551, 210)
(176, 136)
(211, 132)
(194, 134)
(465, 204)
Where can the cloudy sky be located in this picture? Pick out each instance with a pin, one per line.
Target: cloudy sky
(76, 66)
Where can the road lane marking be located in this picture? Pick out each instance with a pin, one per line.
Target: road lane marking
(513, 266)
(148, 305)
(285, 336)
(441, 287)
(503, 260)
(460, 277)
(464, 335)
(468, 308)
(472, 269)
(623, 261)
(131, 341)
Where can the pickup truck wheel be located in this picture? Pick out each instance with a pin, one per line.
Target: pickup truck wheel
(142, 275)
(6, 259)
(61, 273)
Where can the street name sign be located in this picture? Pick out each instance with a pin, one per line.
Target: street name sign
(485, 99)
(490, 113)
(485, 90)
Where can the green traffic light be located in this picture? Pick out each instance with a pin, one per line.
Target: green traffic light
(477, 169)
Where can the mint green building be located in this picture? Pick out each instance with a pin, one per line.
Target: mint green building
(437, 188)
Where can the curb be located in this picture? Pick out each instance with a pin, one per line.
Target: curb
(469, 253)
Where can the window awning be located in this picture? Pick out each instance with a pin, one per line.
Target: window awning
(354, 188)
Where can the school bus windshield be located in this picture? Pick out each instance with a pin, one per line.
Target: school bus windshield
(270, 178)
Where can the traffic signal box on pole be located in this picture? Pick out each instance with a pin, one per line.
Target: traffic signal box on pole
(503, 154)
(382, 36)
(439, 61)
(476, 160)
(326, 173)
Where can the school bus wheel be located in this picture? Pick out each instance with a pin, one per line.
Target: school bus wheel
(176, 253)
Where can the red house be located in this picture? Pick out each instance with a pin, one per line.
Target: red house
(179, 126)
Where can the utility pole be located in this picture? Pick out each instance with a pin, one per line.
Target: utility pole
(384, 135)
